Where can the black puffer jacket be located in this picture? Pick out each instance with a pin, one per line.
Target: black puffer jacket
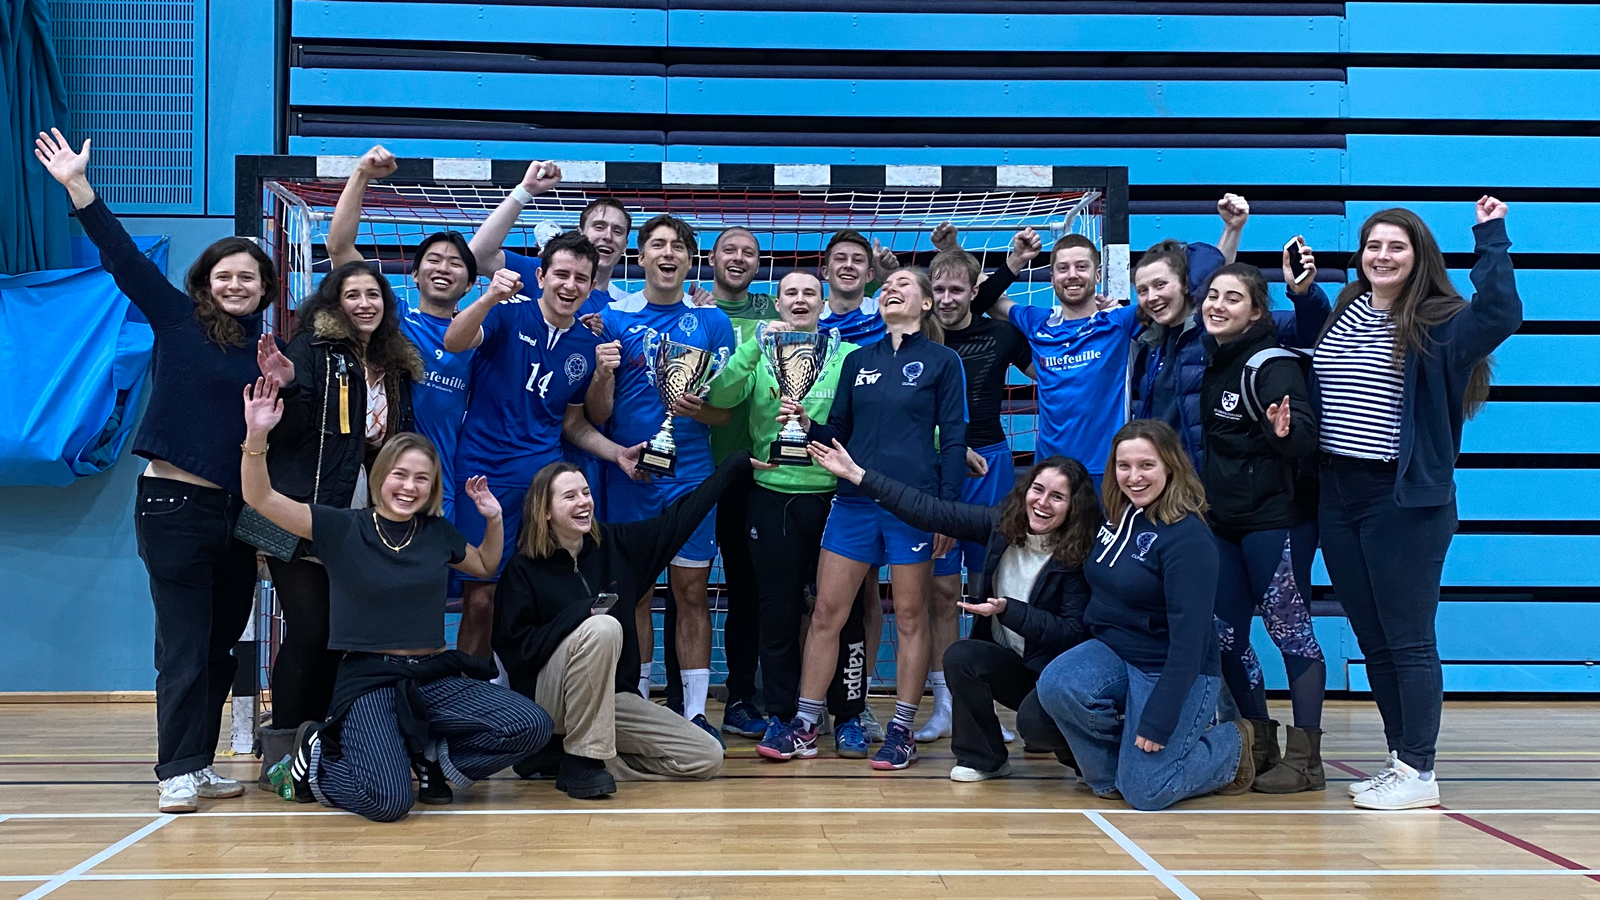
(318, 448)
(1051, 622)
(1249, 471)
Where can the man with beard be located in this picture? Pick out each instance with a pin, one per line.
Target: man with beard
(735, 260)
(625, 399)
(1080, 357)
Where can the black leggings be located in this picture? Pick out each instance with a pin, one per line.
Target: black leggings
(786, 536)
(1270, 570)
(742, 627)
(304, 671)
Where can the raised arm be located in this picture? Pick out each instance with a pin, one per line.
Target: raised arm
(346, 222)
(483, 561)
(652, 543)
(466, 329)
(262, 410)
(542, 175)
(922, 511)
(1288, 424)
(1303, 326)
(135, 275)
(1234, 211)
(1495, 312)
(600, 399)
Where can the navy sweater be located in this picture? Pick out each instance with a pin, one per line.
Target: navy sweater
(1152, 596)
(1431, 411)
(195, 419)
(886, 409)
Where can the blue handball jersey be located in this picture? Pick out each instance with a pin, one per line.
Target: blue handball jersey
(439, 400)
(527, 268)
(1081, 366)
(860, 326)
(637, 412)
(524, 376)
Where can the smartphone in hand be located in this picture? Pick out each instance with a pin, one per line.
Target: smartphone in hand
(1297, 267)
(603, 603)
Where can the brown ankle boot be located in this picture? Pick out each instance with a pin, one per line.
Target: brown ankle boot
(1245, 775)
(1301, 768)
(1265, 749)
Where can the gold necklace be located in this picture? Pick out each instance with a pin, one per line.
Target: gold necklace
(385, 538)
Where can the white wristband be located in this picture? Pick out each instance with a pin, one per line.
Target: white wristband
(521, 195)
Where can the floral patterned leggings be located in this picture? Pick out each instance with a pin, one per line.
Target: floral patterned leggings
(1263, 570)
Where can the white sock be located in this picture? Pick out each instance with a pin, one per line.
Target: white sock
(696, 684)
(941, 692)
(1426, 776)
(644, 680)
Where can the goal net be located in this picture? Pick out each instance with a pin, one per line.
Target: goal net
(792, 210)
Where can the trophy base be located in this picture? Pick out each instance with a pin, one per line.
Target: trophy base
(786, 454)
(657, 462)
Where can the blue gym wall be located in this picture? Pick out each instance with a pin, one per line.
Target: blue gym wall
(1319, 112)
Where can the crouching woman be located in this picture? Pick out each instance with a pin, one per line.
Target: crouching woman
(402, 702)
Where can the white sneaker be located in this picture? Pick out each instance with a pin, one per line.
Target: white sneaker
(1384, 774)
(179, 794)
(870, 725)
(212, 786)
(1405, 789)
(968, 774)
(938, 726)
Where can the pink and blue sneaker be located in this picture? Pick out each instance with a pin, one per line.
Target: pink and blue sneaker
(899, 748)
(789, 741)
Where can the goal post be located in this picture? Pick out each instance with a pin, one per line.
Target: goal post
(286, 203)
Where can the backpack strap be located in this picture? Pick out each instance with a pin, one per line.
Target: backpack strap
(1247, 378)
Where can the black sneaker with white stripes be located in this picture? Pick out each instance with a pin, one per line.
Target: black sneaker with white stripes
(432, 788)
(306, 739)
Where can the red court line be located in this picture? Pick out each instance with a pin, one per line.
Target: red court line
(1490, 830)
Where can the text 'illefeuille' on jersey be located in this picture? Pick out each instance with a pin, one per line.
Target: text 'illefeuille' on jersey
(1081, 368)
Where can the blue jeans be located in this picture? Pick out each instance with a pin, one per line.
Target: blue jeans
(1091, 693)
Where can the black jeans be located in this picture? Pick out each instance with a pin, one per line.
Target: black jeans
(1385, 562)
(741, 629)
(786, 535)
(979, 673)
(203, 581)
(304, 671)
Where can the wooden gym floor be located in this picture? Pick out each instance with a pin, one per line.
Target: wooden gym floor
(1521, 782)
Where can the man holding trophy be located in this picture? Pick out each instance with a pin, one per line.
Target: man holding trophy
(790, 359)
(668, 348)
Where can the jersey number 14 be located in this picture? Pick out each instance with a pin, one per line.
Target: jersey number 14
(539, 384)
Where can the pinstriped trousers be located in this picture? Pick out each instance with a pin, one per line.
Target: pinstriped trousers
(480, 728)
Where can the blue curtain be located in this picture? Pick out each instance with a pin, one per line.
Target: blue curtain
(33, 208)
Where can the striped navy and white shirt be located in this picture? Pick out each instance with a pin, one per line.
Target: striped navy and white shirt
(1361, 388)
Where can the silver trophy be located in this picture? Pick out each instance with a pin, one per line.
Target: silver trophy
(796, 360)
(680, 369)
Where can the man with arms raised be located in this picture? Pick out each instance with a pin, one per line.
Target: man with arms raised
(530, 375)
(625, 399)
(1080, 357)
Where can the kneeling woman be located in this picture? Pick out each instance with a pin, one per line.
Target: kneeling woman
(402, 702)
(1037, 540)
(576, 653)
(1136, 701)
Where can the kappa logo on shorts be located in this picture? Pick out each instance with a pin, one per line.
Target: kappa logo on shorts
(576, 367)
(687, 323)
(867, 376)
(1144, 542)
(912, 371)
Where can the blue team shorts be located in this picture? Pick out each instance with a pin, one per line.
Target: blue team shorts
(471, 525)
(986, 491)
(629, 501)
(859, 529)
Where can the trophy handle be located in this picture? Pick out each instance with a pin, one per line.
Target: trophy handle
(829, 351)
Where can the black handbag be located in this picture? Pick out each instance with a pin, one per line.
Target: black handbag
(265, 535)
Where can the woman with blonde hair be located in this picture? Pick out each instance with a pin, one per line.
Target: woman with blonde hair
(402, 701)
(1136, 701)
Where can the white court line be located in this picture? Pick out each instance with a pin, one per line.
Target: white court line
(1144, 859)
(95, 860)
(828, 810)
(824, 873)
